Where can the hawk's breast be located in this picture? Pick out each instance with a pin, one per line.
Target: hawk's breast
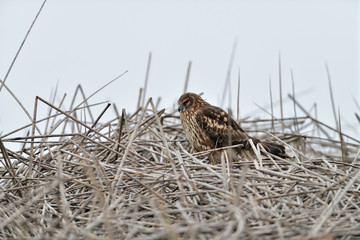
(194, 132)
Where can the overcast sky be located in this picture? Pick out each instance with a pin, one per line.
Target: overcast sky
(91, 42)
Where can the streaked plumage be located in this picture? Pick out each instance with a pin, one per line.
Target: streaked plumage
(208, 127)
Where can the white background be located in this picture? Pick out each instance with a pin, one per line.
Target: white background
(91, 42)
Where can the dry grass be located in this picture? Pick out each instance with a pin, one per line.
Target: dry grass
(134, 177)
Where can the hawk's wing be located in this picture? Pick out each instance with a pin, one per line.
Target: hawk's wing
(220, 127)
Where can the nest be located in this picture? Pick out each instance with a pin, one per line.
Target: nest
(135, 177)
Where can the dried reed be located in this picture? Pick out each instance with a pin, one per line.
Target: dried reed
(134, 177)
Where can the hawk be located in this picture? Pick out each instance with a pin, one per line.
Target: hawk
(208, 127)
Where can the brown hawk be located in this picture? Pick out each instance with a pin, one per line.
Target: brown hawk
(208, 127)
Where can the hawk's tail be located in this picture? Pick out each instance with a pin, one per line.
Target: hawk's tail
(270, 147)
(274, 148)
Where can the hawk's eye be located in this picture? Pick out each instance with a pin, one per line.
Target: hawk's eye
(186, 102)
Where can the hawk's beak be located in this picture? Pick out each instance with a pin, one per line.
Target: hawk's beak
(181, 107)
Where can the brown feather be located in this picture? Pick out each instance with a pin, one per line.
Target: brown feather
(208, 127)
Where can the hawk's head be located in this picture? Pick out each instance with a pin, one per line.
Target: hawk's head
(190, 100)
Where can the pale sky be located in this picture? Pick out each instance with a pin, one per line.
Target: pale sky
(91, 42)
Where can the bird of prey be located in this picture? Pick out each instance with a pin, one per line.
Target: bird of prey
(208, 127)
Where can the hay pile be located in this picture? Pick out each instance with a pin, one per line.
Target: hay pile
(135, 177)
